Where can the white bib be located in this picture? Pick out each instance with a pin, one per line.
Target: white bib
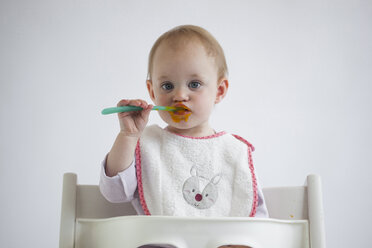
(186, 176)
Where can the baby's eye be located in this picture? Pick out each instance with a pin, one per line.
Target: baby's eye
(167, 86)
(194, 84)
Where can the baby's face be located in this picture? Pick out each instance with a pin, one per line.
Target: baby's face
(185, 77)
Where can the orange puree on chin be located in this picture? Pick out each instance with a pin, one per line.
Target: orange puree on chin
(180, 115)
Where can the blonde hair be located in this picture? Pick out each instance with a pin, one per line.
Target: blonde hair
(185, 33)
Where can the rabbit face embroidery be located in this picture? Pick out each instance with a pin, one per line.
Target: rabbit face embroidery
(200, 199)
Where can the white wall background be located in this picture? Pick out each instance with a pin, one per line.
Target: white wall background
(300, 91)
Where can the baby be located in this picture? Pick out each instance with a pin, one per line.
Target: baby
(187, 168)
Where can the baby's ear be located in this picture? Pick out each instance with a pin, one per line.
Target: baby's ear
(150, 88)
(222, 88)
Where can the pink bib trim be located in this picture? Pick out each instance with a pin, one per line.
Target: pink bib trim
(251, 167)
(204, 137)
(139, 180)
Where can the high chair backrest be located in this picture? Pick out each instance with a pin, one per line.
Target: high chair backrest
(296, 213)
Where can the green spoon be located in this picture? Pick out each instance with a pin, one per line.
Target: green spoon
(128, 108)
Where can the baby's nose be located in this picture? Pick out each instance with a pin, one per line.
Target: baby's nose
(180, 95)
(198, 197)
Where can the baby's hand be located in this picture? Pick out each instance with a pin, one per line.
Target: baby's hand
(132, 123)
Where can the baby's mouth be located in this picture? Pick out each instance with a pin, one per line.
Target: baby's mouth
(181, 109)
(181, 114)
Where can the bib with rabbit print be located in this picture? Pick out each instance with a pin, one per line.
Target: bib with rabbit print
(188, 176)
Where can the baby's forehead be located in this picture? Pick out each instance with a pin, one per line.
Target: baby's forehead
(190, 59)
(180, 43)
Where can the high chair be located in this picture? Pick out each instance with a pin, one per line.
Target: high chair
(88, 220)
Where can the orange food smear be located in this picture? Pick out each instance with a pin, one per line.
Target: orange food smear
(180, 115)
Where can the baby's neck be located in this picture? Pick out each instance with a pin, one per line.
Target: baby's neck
(192, 132)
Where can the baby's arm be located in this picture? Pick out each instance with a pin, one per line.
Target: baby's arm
(119, 188)
(131, 126)
(261, 211)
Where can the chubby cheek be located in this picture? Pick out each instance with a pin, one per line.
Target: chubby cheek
(203, 112)
(165, 116)
(204, 107)
(161, 100)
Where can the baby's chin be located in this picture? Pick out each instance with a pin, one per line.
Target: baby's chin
(188, 128)
(180, 122)
(178, 125)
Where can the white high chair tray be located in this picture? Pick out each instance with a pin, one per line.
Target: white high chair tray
(88, 220)
(180, 232)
